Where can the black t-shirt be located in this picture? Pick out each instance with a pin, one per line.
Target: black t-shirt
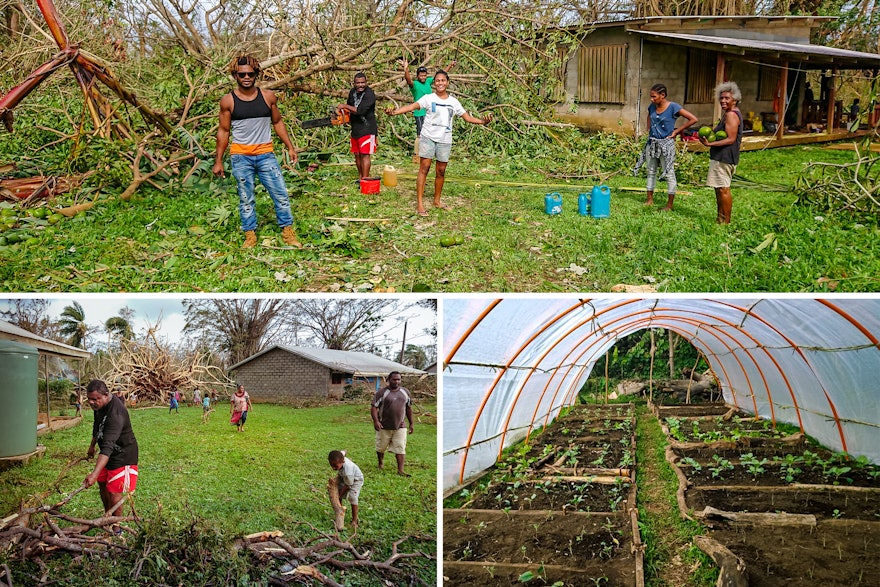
(116, 439)
(363, 123)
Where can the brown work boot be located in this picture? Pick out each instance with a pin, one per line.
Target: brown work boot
(250, 239)
(289, 237)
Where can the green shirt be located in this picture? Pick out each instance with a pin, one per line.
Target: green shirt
(420, 89)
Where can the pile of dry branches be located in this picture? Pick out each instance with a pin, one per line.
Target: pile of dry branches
(301, 563)
(37, 531)
(149, 372)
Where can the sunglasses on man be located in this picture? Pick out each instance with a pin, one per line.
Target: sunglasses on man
(246, 74)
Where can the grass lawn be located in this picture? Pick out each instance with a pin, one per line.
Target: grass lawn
(187, 238)
(271, 476)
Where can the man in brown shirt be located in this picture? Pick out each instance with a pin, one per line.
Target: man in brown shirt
(391, 409)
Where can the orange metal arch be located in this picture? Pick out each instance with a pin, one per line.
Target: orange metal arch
(470, 330)
(709, 330)
(652, 312)
(501, 373)
(566, 359)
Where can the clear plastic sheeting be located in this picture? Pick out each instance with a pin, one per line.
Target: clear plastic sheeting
(512, 364)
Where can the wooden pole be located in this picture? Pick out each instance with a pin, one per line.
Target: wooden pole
(48, 404)
(606, 377)
(780, 115)
(687, 399)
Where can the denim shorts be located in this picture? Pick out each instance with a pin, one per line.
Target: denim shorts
(429, 149)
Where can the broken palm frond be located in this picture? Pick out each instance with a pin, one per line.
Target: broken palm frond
(332, 552)
(739, 181)
(847, 187)
(87, 69)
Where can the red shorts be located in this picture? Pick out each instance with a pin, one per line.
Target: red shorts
(121, 480)
(364, 145)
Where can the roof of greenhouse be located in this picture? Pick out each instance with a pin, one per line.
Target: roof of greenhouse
(512, 364)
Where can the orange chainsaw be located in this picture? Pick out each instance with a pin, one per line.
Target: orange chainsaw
(337, 117)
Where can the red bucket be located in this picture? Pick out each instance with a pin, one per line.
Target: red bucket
(370, 185)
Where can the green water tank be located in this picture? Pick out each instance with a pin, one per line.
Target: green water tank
(18, 395)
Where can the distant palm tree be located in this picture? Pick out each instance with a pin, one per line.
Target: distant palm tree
(120, 327)
(72, 324)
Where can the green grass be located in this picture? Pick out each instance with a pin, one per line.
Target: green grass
(671, 558)
(272, 476)
(173, 240)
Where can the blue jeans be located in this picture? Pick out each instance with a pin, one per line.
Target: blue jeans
(245, 169)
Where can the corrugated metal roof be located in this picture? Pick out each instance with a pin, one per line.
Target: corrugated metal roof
(815, 54)
(355, 362)
(10, 331)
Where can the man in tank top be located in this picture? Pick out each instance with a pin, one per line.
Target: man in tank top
(248, 114)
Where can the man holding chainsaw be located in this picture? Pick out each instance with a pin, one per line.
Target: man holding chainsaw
(249, 114)
(361, 104)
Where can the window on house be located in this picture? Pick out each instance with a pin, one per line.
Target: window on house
(602, 74)
(336, 378)
(700, 77)
(768, 81)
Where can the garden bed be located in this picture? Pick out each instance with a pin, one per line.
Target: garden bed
(560, 510)
(854, 503)
(833, 552)
(552, 538)
(794, 513)
(581, 495)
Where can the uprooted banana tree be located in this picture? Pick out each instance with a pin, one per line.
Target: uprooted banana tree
(87, 70)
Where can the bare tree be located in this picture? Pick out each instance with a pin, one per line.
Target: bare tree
(345, 324)
(31, 315)
(239, 328)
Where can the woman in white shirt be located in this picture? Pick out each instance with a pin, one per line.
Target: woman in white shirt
(435, 141)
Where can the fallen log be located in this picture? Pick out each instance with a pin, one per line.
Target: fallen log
(733, 569)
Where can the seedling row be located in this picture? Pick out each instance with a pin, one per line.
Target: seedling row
(787, 509)
(558, 509)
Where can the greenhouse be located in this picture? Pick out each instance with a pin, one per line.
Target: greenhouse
(787, 447)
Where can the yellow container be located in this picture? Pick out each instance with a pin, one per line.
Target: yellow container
(389, 176)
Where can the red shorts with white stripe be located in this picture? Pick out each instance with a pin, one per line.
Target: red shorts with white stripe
(364, 145)
(121, 480)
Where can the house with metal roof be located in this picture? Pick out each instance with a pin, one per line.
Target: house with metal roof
(608, 79)
(290, 374)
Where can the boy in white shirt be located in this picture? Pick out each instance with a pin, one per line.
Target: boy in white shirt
(347, 483)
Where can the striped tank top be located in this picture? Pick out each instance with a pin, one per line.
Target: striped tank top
(251, 126)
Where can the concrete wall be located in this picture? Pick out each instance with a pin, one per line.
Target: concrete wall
(649, 63)
(281, 377)
(617, 118)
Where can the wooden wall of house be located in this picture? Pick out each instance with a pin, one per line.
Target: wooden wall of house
(281, 377)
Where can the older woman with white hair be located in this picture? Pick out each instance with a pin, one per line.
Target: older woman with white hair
(724, 153)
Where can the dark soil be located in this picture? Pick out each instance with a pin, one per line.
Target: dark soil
(554, 495)
(534, 537)
(835, 552)
(615, 573)
(823, 503)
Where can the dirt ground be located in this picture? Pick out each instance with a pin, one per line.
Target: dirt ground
(551, 538)
(834, 552)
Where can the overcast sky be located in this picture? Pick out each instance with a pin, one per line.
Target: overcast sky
(167, 310)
